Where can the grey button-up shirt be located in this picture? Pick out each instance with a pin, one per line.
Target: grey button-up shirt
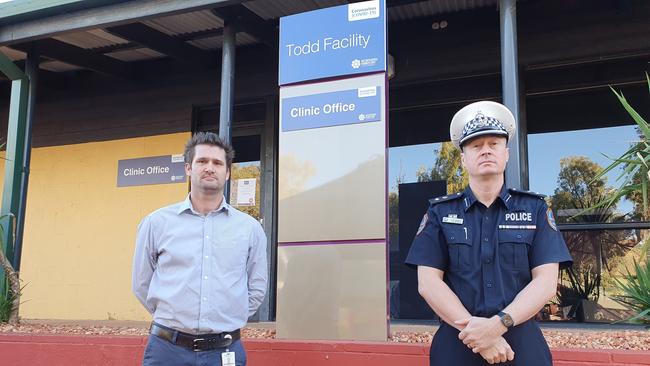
(200, 274)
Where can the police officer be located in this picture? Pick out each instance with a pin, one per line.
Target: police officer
(487, 258)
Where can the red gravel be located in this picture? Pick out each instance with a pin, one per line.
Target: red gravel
(611, 339)
(601, 339)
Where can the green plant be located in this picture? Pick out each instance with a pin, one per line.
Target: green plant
(9, 301)
(635, 163)
(7, 306)
(585, 283)
(636, 291)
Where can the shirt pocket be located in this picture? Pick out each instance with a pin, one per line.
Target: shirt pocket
(230, 256)
(514, 246)
(460, 249)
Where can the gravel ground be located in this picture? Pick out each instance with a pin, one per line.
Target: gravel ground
(598, 339)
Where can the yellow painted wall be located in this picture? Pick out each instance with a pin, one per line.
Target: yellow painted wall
(80, 228)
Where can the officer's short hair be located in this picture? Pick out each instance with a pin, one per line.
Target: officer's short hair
(465, 143)
(208, 138)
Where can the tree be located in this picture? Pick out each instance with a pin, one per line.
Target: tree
(592, 251)
(447, 167)
(578, 190)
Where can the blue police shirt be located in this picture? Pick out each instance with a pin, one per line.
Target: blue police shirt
(487, 253)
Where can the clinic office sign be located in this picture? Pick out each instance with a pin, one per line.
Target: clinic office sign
(360, 105)
(151, 170)
(331, 42)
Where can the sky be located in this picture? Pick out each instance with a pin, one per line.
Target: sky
(544, 150)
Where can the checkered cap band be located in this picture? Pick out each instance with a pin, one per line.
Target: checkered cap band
(481, 123)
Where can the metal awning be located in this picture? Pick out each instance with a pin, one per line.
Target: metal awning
(109, 35)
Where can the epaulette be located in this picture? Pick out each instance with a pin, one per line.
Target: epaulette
(450, 197)
(529, 193)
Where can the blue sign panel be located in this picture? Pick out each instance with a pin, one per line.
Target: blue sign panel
(151, 170)
(341, 40)
(331, 109)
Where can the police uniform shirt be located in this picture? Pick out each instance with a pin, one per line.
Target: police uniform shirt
(487, 253)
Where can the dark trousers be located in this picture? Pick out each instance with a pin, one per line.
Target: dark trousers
(159, 352)
(526, 340)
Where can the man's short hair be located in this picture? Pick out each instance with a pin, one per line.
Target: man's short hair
(208, 138)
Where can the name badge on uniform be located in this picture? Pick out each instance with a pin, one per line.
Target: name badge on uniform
(452, 219)
(228, 359)
(518, 227)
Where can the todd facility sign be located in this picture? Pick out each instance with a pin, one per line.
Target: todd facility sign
(337, 41)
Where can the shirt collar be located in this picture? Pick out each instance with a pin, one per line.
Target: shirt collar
(187, 205)
(469, 199)
(505, 197)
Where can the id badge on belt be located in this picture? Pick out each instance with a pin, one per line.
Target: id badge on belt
(228, 357)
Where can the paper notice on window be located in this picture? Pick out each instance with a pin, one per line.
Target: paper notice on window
(246, 192)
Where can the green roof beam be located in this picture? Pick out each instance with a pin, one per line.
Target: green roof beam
(8, 68)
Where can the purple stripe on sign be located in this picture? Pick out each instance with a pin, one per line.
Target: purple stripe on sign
(333, 242)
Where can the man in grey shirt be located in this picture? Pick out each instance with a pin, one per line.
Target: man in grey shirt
(200, 266)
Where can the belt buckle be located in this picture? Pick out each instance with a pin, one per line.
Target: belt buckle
(195, 345)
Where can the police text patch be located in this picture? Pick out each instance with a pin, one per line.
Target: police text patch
(519, 216)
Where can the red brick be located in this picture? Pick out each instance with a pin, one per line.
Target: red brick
(387, 348)
(53, 350)
(632, 357)
(581, 355)
(295, 345)
(256, 344)
(15, 338)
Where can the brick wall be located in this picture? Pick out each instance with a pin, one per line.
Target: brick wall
(52, 350)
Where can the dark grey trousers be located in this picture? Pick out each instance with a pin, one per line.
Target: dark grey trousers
(159, 352)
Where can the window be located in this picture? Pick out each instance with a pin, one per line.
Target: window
(563, 165)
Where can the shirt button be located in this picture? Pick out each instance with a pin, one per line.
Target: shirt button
(487, 218)
(207, 256)
(207, 236)
(486, 239)
(489, 284)
(205, 299)
(205, 277)
(488, 261)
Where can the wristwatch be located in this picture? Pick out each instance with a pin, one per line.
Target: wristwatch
(506, 319)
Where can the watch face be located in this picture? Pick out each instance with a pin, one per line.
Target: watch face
(506, 320)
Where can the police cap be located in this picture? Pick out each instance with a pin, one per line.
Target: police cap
(481, 118)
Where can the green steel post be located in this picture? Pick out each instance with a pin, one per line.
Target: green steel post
(13, 166)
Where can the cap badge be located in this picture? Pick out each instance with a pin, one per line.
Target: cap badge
(480, 119)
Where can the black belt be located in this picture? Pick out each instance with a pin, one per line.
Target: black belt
(195, 342)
